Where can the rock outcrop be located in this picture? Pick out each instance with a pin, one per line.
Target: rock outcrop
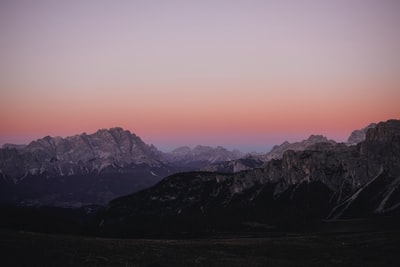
(358, 136)
(278, 150)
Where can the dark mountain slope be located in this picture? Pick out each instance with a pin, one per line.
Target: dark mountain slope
(301, 188)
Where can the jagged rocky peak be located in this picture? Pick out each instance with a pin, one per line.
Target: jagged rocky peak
(114, 143)
(82, 153)
(317, 139)
(200, 156)
(284, 144)
(85, 168)
(120, 143)
(358, 136)
(247, 162)
(384, 131)
(116, 134)
(277, 151)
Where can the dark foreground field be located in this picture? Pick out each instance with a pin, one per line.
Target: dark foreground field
(351, 249)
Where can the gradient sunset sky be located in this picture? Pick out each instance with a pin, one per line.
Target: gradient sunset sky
(243, 74)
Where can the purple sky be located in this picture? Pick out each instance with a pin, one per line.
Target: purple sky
(243, 74)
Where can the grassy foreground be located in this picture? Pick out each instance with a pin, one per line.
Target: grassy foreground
(351, 249)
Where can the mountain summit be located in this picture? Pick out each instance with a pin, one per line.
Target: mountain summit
(79, 154)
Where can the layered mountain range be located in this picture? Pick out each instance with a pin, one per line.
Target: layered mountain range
(95, 168)
(324, 181)
(92, 168)
(252, 161)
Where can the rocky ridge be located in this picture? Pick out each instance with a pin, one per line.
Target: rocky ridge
(92, 168)
(323, 181)
(278, 150)
(249, 162)
(200, 156)
(80, 154)
(358, 136)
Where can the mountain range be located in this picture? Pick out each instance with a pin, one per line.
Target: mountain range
(79, 170)
(200, 156)
(326, 181)
(92, 168)
(252, 161)
(95, 168)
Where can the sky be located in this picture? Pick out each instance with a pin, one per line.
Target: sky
(242, 74)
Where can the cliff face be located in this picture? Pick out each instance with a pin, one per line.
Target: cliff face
(324, 181)
(358, 136)
(380, 193)
(80, 154)
(257, 161)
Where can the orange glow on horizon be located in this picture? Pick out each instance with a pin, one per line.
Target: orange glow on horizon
(205, 114)
(198, 71)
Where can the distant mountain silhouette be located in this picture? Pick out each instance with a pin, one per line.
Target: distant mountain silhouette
(200, 156)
